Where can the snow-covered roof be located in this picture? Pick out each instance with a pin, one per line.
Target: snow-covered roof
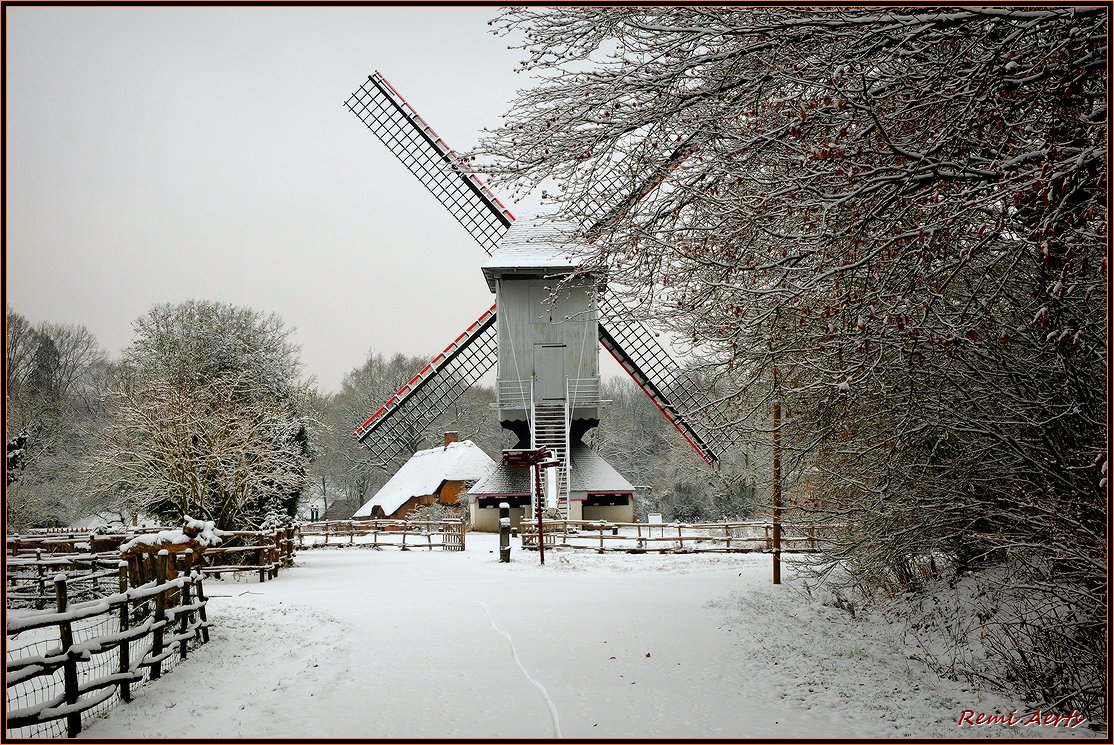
(538, 240)
(590, 473)
(424, 473)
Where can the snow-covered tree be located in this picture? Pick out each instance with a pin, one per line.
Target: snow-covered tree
(208, 420)
(55, 376)
(890, 221)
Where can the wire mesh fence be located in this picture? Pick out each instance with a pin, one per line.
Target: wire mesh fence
(71, 663)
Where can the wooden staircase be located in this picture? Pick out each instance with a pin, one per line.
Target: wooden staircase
(551, 430)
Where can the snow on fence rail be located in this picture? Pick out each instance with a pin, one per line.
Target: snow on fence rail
(70, 663)
(637, 538)
(31, 561)
(447, 535)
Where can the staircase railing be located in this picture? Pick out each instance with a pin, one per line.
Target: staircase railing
(583, 392)
(515, 394)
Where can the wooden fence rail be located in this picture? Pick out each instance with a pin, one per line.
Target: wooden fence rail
(671, 537)
(260, 553)
(447, 535)
(57, 541)
(88, 576)
(126, 637)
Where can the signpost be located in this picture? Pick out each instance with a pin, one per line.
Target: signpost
(539, 458)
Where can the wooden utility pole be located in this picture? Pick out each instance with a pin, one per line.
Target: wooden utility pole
(776, 417)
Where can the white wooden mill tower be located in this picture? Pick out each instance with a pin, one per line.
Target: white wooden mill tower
(547, 330)
(544, 334)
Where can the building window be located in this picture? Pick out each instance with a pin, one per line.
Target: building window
(606, 500)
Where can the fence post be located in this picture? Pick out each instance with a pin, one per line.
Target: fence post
(776, 468)
(135, 577)
(272, 546)
(42, 579)
(125, 644)
(260, 557)
(69, 667)
(93, 569)
(184, 614)
(201, 601)
(160, 612)
(504, 532)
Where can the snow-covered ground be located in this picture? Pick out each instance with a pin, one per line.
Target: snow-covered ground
(386, 644)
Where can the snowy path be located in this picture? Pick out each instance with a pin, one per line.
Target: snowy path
(357, 643)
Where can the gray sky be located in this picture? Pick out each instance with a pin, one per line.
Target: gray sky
(158, 154)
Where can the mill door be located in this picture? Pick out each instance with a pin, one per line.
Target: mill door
(549, 372)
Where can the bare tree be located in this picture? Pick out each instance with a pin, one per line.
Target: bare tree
(893, 224)
(642, 445)
(56, 375)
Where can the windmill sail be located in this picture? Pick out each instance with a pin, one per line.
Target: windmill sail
(687, 407)
(401, 421)
(386, 113)
(613, 195)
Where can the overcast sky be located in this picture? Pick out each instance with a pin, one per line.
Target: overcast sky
(158, 154)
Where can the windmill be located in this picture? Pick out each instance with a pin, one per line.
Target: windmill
(545, 334)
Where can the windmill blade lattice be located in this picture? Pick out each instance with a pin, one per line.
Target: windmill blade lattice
(399, 423)
(687, 407)
(386, 113)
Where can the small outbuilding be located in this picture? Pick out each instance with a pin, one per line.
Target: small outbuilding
(597, 492)
(438, 475)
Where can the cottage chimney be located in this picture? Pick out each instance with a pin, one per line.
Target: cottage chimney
(451, 437)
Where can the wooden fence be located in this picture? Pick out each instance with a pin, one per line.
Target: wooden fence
(35, 558)
(76, 660)
(447, 535)
(58, 541)
(261, 552)
(638, 538)
(30, 577)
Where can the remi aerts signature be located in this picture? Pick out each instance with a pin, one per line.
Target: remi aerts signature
(1038, 718)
